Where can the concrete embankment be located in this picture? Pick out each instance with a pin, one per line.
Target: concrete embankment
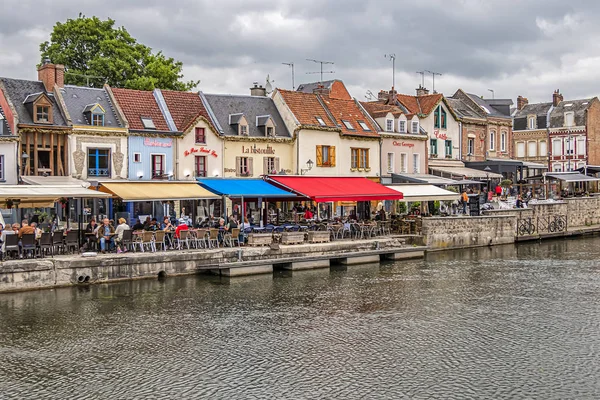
(58, 271)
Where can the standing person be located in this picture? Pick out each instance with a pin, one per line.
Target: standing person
(498, 190)
(119, 235)
(464, 197)
(105, 233)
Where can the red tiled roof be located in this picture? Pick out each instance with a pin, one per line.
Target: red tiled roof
(185, 108)
(306, 107)
(419, 104)
(139, 103)
(338, 91)
(379, 109)
(348, 110)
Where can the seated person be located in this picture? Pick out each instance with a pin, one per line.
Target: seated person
(106, 235)
(231, 224)
(308, 214)
(25, 228)
(147, 223)
(138, 226)
(166, 225)
(182, 226)
(119, 235)
(91, 235)
(153, 226)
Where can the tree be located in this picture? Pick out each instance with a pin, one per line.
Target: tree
(94, 52)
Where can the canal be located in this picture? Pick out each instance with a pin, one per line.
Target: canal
(504, 322)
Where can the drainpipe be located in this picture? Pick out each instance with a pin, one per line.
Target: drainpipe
(298, 152)
(460, 141)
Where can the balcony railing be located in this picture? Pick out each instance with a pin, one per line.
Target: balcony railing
(99, 172)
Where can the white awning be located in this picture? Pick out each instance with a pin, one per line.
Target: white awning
(571, 177)
(46, 193)
(470, 173)
(426, 178)
(417, 192)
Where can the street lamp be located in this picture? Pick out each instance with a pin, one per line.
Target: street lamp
(24, 158)
(309, 165)
(487, 170)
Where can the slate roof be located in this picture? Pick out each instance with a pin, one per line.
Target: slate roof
(17, 90)
(185, 108)
(349, 110)
(306, 107)
(557, 115)
(538, 109)
(4, 128)
(221, 106)
(137, 104)
(336, 87)
(79, 99)
(463, 110)
(487, 107)
(419, 104)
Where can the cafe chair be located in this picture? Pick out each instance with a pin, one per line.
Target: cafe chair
(213, 238)
(71, 241)
(45, 244)
(127, 240)
(11, 245)
(28, 245)
(184, 237)
(159, 239)
(57, 242)
(146, 240)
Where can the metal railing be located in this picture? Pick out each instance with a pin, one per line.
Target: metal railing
(98, 171)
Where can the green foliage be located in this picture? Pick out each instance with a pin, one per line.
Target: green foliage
(506, 183)
(105, 54)
(402, 209)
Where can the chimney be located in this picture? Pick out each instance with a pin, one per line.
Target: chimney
(258, 90)
(51, 74)
(392, 96)
(521, 102)
(320, 89)
(422, 91)
(556, 97)
(383, 95)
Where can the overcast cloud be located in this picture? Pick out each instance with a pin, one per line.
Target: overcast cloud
(514, 47)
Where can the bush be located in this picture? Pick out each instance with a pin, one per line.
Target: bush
(506, 183)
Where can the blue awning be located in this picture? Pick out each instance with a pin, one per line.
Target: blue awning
(241, 187)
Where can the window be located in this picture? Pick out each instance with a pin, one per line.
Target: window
(99, 162)
(543, 149)
(359, 158)
(244, 130)
(137, 157)
(492, 140)
(270, 165)
(570, 118)
(390, 163)
(365, 127)
(581, 147)
(200, 135)
(503, 141)
(439, 118)
(320, 121)
(433, 147)
(148, 123)
(557, 147)
(325, 156)
(200, 164)
(448, 148)
(403, 162)
(1, 167)
(415, 127)
(158, 165)
(42, 114)
(402, 126)
(532, 122)
(97, 120)
(557, 167)
(416, 163)
(270, 131)
(470, 146)
(348, 124)
(244, 166)
(389, 125)
(569, 148)
(520, 150)
(532, 149)
(443, 118)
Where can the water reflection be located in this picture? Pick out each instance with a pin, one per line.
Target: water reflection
(494, 322)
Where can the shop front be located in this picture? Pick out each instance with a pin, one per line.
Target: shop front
(255, 157)
(404, 154)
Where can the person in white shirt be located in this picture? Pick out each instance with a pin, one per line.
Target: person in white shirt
(122, 227)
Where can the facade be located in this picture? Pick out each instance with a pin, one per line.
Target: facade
(335, 136)
(486, 126)
(256, 141)
(530, 131)
(402, 152)
(9, 149)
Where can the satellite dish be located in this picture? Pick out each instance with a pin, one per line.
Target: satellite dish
(268, 86)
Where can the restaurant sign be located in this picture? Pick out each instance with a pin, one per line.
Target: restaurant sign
(256, 150)
(403, 144)
(202, 150)
(439, 135)
(157, 143)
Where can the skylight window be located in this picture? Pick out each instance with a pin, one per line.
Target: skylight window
(568, 105)
(364, 125)
(320, 121)
(348, 124)
(147, 122)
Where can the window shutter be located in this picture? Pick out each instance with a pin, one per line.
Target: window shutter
(266, 166)
(277, 164)
(238, 161)
(367, 156)
(319, 156)
(332, 156)
(251, 166)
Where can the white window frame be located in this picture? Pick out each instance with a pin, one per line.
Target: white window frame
(2, 167)
(543, 145)
(569, 149)
(559, 143)
(390, 162)
(389, 125)
(529, 147)
(503, 141)
(137, 157)
(402, 126)
(470, 146)
(403, 163)
(416, 163)
(531, 122)
(415, 127)
(320, 121)
(521, 146)
(348, 125)
(557, 167)
(364, 125)
(492, 140)
(580, 140)
(569, 115)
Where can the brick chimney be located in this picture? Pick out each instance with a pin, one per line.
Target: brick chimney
(51, 74)
(422, 91)
(521, 102)
(557, 97)
(392, 95)
(383, 95)
(320, 89)
(258, 90)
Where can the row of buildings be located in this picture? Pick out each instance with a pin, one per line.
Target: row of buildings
(48, 128)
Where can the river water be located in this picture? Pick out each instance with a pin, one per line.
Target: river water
(491, 323)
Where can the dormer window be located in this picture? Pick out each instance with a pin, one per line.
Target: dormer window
(94, 113)
(531, 123)
(148, 123)
(42, 114)
(389, 125)
(244, 130)
(439, 118)
(348, 125)
(97, 120)
(270, 131)
(320, 121)
(570, 118)
(415, 127)
(365, 127)
(402, 126)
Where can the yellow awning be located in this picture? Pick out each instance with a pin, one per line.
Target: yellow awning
(157, 191)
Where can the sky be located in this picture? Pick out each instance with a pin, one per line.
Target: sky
(513, 47)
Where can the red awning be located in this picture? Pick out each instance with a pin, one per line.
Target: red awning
(323, 189)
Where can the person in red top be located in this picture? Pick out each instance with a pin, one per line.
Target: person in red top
(182, 226)
(498, 190)
(308, 214)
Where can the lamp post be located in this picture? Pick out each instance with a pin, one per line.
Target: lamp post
(487, 170)
(309, 165)
(24, 158)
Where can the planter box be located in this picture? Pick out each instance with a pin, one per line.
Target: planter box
(260, 239)
(292, 237)
(318, 236)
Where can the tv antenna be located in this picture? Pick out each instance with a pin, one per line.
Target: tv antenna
(422, 73)
(433, 74)
(291, 65)
(491, 90)
(393, 58)
(87, 77)
(370, 96)
(322, 63)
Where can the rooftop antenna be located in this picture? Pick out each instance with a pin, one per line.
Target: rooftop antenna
(433, 74)
(268, 86)
(422, 73)
(370, 96)
(491, 90)
(321, 72)
(393, 58)
(291, 64)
